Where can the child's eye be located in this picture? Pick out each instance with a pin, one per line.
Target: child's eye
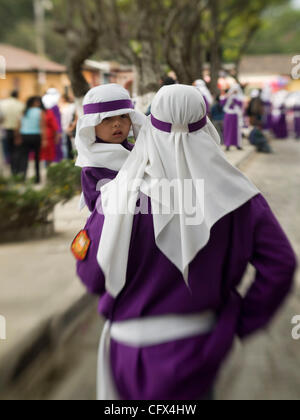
(124, 116)
(107, 119)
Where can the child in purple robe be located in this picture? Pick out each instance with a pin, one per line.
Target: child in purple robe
(208, 98)
(296, 110)
(280, 127)
(101, 137)
(233, 121)
(168, 279)
(266, 97)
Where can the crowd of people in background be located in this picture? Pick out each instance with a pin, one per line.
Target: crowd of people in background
(44, 128)
(257, 116)
(41, 130)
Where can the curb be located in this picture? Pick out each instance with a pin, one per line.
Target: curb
(245, 159)
(41, 340)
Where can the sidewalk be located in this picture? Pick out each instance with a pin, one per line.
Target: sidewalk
(40, 293)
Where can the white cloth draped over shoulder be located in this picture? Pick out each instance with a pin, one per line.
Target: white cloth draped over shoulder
(176, 155)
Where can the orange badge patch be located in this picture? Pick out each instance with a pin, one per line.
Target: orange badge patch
(80, 245)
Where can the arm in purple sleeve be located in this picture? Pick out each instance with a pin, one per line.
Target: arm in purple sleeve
(275, 263)
(89, 270)
(89, 188)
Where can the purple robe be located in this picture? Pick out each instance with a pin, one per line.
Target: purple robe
(58, 147)
(186, 369)
(297, 121)
(208, 109)
(267, 118)
(280, 125)
(232, 131)
(90, 177)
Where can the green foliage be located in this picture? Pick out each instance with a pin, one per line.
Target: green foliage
(280, 33)
(275, 23)
(22, 206)
(25, 206)
(12, 12)
(64, 180)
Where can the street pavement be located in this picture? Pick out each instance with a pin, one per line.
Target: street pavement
(267, 366)
(38, 280)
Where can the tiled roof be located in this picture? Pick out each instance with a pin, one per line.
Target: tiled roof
(18, 59)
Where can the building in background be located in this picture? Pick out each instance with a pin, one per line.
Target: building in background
(32, 74)
(276, 69)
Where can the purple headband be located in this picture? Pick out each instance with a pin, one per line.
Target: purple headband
(167, 127)
(108, 106)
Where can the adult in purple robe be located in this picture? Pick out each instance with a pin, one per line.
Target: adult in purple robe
(297, 121)
(266, 97)
(187, 369)
(267, 115)
(280, 127)
(208, 98)
(233, 233)
(233, 121)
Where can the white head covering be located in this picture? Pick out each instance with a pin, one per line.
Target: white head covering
(202, 87)
(51, 99)
(293, 100)
(255, 93)
(266, 94)
(99, 103)
(236, 91)
(181, 155)
(279, 98)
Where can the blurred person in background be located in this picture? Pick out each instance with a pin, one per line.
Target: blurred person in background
(255, 110)
(51, 101)
(258, 139)
(202, 87)
(296, 110)
(218, 115)
(266, 97)
(234, 118)
(293, 104)
(68, 123)
(279, 120)
(33, 133)
(11, 110)
(48, 151)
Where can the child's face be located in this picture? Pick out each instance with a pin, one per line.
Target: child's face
(114, 129)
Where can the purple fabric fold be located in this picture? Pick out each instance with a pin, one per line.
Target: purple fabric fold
(107, 106)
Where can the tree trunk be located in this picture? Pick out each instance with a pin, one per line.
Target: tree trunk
(215, 49)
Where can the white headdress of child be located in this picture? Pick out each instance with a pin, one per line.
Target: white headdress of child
(178, 142)
(99, 103)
